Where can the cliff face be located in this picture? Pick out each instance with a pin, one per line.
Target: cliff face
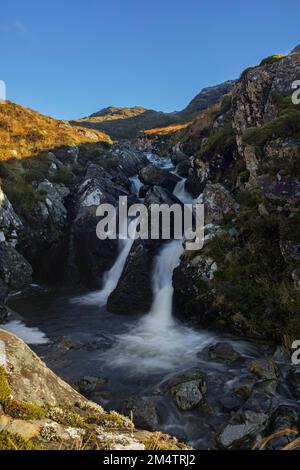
(243, 156)
(40, 411)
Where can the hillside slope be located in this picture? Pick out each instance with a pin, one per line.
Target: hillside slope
(128, 122)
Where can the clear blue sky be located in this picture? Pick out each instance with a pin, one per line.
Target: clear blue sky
(69, 58)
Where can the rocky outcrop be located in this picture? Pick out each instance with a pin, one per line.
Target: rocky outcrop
(134, 293)
(38, 411)
(155, 176)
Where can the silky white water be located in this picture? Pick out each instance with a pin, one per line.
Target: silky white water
(29, 335)
(158, 342)
(110, 278)
(181, 193)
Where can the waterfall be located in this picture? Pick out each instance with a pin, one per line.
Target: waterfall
(165, 263)
(136, 185)
(181, 193)
(110, 278)
(158, 342)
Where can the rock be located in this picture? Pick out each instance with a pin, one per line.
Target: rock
(23, 428)
(155, 176)
(143, 191)
(244, 389)
(133, 293)
(31, 381)
(3, 314)
(159, 195)
(54, 201)
(265, 368)
(223, 352)
(290, 251)
(144, 413)
(10, 223)
(218, 202)
(241, 435)
(182, 168)
(296, 278)
(293, 378)
(283, 417)
(188, 389)
(15, 271)
(88, 385)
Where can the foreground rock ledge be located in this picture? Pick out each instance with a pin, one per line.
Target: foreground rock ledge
(38, 410)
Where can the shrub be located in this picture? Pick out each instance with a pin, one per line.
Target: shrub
(220, 142)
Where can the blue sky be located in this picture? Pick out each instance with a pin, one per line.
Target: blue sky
(70, 58)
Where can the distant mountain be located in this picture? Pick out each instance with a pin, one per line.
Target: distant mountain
(124, 123)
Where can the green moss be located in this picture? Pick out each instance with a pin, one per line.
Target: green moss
(26, 411)
(286, 125)
(271, 59)
(220, 142)
(5, 391)
(252, 277)
(13, 442)
(244, 176)
(63, 175)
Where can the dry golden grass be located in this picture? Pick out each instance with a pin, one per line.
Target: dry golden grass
(261, 445)
(26, 133)
(167, 129)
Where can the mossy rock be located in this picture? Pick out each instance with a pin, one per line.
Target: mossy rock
(25, 411)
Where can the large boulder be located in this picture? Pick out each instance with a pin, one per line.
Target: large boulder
(144, 413)
(134, 291)
(159, 195)
(155, 176)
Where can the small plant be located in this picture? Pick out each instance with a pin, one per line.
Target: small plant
(271, 59)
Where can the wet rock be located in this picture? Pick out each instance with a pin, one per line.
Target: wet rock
(182, 168)
(293, 378)
(144, 412)
(223, 352)
(296, 278)
(159, 195)
(244, 389)
(283, 417)
(265, 368)
(230, 404)
(143, 191)
(236, 435)
(133, 293)
(15, 271)
(88, 385)
(188, 389)
(155, 176)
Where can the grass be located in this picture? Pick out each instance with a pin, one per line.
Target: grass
(10, 441)
(5, 391)
(167, 129)
(286, 124)
(25, 133)
(220, 142)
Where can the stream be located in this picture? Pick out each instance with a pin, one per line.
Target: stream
(131, 358)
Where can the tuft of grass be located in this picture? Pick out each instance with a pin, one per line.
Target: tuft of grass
(5, 391)
(159, 441)
(10, 441)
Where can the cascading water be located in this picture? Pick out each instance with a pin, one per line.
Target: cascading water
(110, 278)
(136, 185)
(181, 193)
